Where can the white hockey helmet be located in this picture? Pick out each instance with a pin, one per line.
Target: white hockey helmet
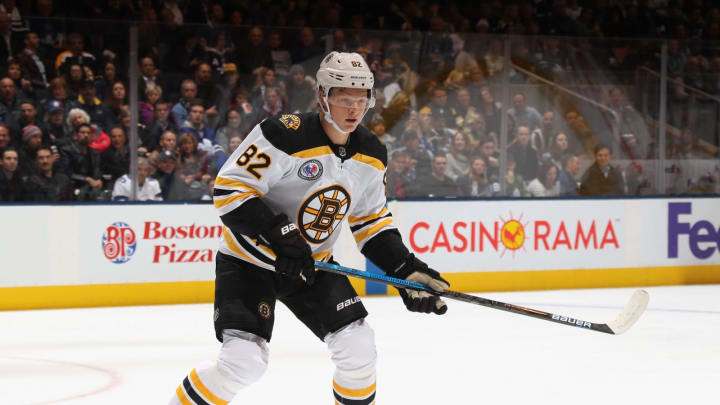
(348, 70)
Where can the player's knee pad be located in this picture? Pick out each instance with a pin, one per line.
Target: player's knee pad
(353, 350)
(243, 358)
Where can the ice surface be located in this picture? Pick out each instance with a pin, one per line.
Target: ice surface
(472, 355)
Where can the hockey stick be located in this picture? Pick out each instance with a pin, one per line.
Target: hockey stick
(633, 309)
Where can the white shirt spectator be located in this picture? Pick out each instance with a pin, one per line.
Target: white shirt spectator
(538, 189)
(148, 191)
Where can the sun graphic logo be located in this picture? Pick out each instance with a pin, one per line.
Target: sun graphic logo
(119, 242)
(512, 234)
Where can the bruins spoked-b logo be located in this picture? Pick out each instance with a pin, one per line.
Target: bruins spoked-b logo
(310, 170)
(322, 212)
(264, 310)
(291, 121)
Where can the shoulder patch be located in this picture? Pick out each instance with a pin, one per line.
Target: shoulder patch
(292, 133)
(291, 121)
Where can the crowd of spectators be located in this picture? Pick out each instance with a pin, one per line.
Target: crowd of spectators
(210, 70)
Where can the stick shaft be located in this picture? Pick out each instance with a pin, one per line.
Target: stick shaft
(516, 309)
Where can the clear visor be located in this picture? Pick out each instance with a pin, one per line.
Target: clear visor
(347, 101)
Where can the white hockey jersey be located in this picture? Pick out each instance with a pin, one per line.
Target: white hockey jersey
(149, 191)
(289, 162)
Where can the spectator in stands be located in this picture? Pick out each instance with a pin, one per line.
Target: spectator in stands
(300, 91)
(4, 137)
(23, 86)
(602, 178)
(559, 148)
(147, 189)
(458, 161)
(160, 124)
(194, 167)
(439, 105)
(207, 91)
(524, 115)
(28, 116)
(232, 125)
(115, 160)
(282, 60)
(436, 184)
(99, 140)
(167, 141)
(99, 113)
(82, 164)
(226, 85)
(254, 53)
(420, 158)
(104, 81)
(75, 54)
(10, 107)
(34, 66)
(264, 79)
(31, 142)
(241, 101)
(181, 109)
(152, 94)
(59, 92)
(490, 109)
(149, 75)
(474, 127)
(567, 179)
(12, 186)
(540, 138)
(523, 154)
(546, 183)
(221, 54)
(196, 123)
(272, 106)
(488, 150)
(475, 182)
(440, 136)
(307, 48)
(399, 179)
(6, 45)
(47, 184)
(55, 118)
(171, 183)
(377, 127)
(514, 183)
(116, 100)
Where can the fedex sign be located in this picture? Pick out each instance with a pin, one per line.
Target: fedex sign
(703, 238)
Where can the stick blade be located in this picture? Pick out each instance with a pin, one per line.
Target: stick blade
(632, 312)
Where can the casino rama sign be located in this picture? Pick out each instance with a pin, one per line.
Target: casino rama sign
(510, 235)
(120, 242)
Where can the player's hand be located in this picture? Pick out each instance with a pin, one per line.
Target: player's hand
(420, 301)
(293, 254)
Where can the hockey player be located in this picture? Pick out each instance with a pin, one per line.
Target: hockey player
(282, 197)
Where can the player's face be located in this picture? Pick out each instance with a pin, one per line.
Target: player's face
(347, 107)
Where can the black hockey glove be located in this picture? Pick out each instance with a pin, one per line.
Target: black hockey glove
(293, 254)
(420, 301)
